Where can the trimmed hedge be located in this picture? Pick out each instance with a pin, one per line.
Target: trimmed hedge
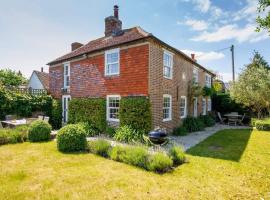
(39, 131)
(71, 138)
(136, 113)
(261, 124)
(56, 114)
(207, 120)
(193, 124)
(90, 110)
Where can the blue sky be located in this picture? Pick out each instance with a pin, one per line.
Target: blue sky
(34, 32)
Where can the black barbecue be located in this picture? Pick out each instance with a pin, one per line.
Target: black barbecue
(158, 136)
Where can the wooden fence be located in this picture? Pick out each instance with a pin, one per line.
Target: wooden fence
(28, 91)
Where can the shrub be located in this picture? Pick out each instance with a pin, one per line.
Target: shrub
(92, 111)
(71, 138)
(136, 113)
(262, 125)
(127, 134)
(56, 114)
(177, 155)
(180, 131)
(39, 130)
(89, 130)
(117, 153)
(100, 147)
(160, 162)
(193, 124)
(11, 136)
(137, 156)
(207, 120)
(110, 131)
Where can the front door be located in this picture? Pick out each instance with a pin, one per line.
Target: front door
(195, 107)
(65, 101)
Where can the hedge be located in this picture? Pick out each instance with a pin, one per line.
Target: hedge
(136, 113)
(261, 124)
(90, 110)
(56, 114)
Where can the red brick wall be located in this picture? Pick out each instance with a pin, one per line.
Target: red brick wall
(87, 77)
(56, 80)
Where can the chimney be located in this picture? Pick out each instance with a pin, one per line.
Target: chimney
(113, 26)
(75, 45)
(193, 57)
(41, 69)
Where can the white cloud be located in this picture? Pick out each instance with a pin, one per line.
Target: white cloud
(232, 31)
(202, 5)
(204, 56)
(197, 25)
(248, 12)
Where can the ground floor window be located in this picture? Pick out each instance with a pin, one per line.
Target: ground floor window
(183, 107)
(113, 102)
(195, 106)
(209, 105)
(204, 106)
(167, 107)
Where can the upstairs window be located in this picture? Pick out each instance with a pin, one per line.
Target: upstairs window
(167, 107)
(183, 107)
(112, 62)
(207, 80)
(195, 74)
(113, 102)
(66, 75)
(167, 64)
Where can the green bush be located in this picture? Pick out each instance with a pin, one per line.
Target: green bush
(136, 113)
(11, 136)
(56, 114)
(262, 125)
(180, 131)
(100, 147)
(207, 120)
(71, 138)
(127, 134)
(110, 131)
(193, 124)
(90, 130)
(160, 162)
(118, 153)
(39, 130)
(177, 155)
(136, 156)
(90, 110)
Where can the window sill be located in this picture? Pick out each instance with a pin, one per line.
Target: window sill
(183, 117)
(111, 75)
(169, 78)
(166, 120)
(113, 120)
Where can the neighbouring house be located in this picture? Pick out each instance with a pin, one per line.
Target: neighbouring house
(39, 80)
(131, 62)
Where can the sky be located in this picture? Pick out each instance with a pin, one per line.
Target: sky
(35, 32)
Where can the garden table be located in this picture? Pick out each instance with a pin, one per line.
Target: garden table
(232, 118)
(14, 123)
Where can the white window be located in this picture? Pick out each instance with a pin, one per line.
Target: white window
(183, 107)
(65, 102)
(207, 80)
(66, 75)
(112, 62)
(167, 107)
(167, 64)
(113, 102)
(195, 74)
(209, 105)
(204, 106)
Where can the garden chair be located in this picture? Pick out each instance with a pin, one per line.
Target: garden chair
(234, 113)
(232, 120)
(240, 121)
(40, 117)
(46, 119)
(221, 119)
(10, 117)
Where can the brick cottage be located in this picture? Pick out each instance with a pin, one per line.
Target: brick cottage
(130, 62)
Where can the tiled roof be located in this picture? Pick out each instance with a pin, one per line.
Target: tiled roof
(44, 78)
(127, 35)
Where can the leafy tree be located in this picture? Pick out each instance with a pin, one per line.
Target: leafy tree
(263, 22)
(253, 88)
(258, 60)
(9, 77)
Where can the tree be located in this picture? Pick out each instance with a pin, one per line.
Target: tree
(263, 22)
(9, 77)
(258, 60)
(253, 88)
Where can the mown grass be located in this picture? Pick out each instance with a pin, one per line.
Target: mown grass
(39, 171)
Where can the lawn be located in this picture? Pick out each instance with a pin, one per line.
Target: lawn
(232, 164)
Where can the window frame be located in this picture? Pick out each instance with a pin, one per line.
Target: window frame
(209, 108)
(66, 64)
(165, 52)
(108, 108)
(185, 107)
(204, 106)
(208, 82)
(196, 79)
(117, 50)
(170, 108)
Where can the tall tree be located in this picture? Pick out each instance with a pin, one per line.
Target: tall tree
(9, 77)
(263, 21)
(252, 88)
(258, 60)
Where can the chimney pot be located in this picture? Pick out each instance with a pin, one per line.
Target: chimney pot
(193, 56)
(75, 45)
(116, 8)
(41, 69)
(113, 26)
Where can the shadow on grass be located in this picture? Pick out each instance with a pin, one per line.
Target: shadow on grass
(226, 144)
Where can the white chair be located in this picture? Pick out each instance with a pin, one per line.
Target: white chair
(46, 119)
(240, 121)
(40, 117)
(232, 120)
(221, 119)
